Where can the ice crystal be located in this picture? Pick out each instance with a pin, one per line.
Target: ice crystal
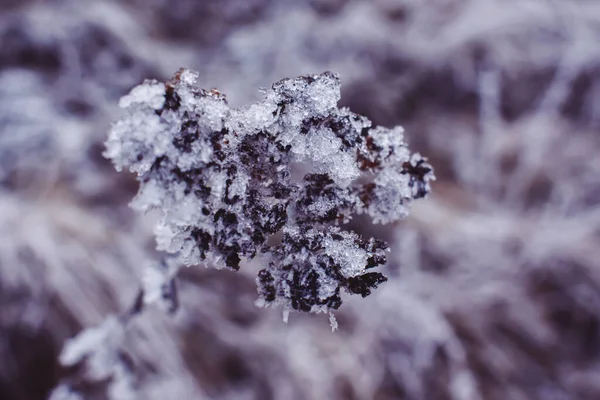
(226, 180)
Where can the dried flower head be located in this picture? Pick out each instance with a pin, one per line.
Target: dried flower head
(227, 180)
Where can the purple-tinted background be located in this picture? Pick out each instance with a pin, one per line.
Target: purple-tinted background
(494, 289)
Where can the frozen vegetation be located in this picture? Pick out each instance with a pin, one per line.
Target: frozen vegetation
(493, 281)
(224, 182)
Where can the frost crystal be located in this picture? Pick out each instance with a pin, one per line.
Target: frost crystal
(226, 180)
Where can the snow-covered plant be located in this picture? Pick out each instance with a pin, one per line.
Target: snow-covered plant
(276, 180)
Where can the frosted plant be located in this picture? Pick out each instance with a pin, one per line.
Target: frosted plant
(101, 349)
(228, 180)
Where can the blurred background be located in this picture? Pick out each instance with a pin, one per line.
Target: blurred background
(494, 289)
